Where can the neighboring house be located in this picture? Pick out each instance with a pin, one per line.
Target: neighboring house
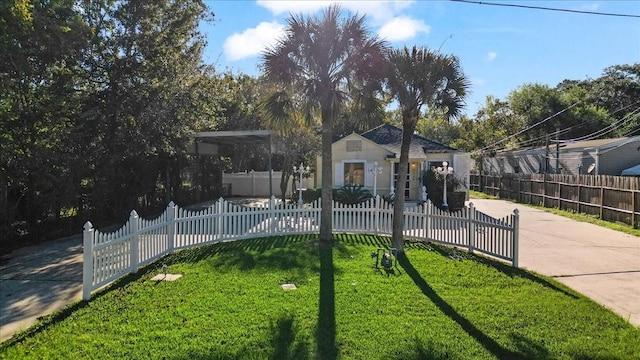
(595, 157)
(356, 156)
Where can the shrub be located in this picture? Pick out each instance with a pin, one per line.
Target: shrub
(351, 195)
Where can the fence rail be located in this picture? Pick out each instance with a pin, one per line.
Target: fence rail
(110, 256)
(611, 198)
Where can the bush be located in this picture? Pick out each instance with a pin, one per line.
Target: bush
(351, 195)
(435, 186)
(311, 195)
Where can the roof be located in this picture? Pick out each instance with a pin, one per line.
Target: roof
(233, 137)
(591, 144)
(602, 145)
(208, 142)
(632, 171)
(390, 137)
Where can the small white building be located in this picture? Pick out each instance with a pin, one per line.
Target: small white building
(357, 156)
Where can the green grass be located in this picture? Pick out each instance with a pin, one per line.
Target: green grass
(229, 305)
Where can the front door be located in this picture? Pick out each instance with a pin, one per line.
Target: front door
(412, 183)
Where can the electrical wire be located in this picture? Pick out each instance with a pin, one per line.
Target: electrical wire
(529, 127)
(613, 126)
(547, 8)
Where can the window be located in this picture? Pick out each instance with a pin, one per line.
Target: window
(354, 145)
(354, 174)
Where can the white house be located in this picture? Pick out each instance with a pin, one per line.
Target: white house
(371, 159)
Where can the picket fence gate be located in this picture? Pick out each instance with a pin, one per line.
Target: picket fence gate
(109, 256)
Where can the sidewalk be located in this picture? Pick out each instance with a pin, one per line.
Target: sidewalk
(600, 263)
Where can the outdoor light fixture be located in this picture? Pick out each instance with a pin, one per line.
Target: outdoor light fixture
(300, 171)
(444, 170)
(388, 260)
(375, 170)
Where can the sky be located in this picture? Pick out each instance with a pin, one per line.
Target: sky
(500, 47)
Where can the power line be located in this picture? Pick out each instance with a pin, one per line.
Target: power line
(529, 127)
(547, 8)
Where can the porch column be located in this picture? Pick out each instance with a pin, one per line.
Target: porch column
(392, 190)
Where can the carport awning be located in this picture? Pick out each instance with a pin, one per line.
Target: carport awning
(207, 142)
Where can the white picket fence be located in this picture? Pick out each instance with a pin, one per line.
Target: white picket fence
(110, 256)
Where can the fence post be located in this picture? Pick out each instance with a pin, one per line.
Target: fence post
(87, 260)
(516, 234)
(601, 202)
(376, 214)
(471, 220)
(219, 210)
(135, 241)
(428, 208)
(272, 214)
(171, 226)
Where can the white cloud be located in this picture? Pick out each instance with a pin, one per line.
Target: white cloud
(478, 81)
(402, 28)
(491, 55)
(252, 41)
(588, 7)
(279, 7)
(379, 11)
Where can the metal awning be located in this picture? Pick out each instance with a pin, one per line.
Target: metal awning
(208, 142)
(233, 137)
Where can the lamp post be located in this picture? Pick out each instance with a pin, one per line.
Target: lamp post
(300, 171)
(375, 170)
(445, 170)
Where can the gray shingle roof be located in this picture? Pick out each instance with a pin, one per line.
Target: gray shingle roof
(390, 137)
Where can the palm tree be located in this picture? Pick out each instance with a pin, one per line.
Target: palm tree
(323, 61)
(421, 78)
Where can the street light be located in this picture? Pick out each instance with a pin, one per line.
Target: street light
(375, 170)
(444, 170)
(300, 171)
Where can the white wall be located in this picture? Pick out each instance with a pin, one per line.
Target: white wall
(256, 183)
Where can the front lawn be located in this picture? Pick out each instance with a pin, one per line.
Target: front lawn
(229, 305)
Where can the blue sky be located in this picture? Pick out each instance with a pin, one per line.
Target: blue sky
(500, 48)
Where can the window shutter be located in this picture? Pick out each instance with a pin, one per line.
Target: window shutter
(338, 173)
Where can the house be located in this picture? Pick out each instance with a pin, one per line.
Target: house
(595, 157)
(371, 159)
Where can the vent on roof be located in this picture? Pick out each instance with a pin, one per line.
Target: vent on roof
(354, 145)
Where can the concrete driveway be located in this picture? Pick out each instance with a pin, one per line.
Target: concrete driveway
(38, 280)
(600, 263)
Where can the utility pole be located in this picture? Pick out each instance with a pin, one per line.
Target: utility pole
(546, 155)
(557, 151)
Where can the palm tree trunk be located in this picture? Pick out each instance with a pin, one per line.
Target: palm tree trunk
(326, 217)
(403, 169)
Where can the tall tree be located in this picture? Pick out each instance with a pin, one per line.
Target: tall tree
(325, 60)
(143, 67)
(618, 91)
(421, 78)
(40, 43)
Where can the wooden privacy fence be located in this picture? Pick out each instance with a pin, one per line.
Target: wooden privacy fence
(611, 198)
(110, 256)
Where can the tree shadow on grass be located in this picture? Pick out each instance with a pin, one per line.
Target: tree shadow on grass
(488, 343)
(507, 269)
(326, 331)
(284, 341)
(282, 252)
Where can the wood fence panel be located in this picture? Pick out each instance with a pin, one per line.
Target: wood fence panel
(612, 198)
